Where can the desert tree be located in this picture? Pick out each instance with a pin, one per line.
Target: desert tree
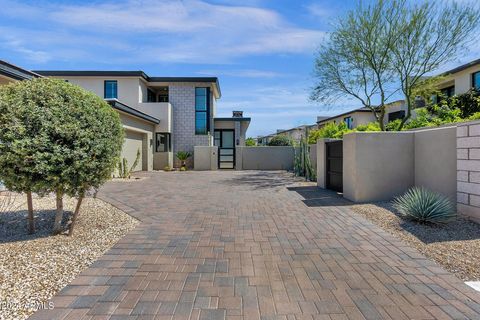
(431, 34)
(73, 140)
(356, 60)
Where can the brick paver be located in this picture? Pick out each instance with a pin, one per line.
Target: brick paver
(241, 245)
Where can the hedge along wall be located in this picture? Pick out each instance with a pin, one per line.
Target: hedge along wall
(378, 166)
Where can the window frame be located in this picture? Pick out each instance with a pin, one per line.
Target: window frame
(206, 111)
(473, 80)
(165, 98)
(348, 122)
(105, 89)
(168, 145)
(151, 96)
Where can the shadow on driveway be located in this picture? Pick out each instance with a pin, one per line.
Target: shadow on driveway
(262, 179)
(317, 197)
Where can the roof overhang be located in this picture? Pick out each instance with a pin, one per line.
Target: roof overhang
(131, 111)
(13, 72)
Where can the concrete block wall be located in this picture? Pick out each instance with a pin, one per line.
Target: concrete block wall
(468, 169)
(182, 98)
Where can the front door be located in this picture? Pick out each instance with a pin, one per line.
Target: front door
(225, 141)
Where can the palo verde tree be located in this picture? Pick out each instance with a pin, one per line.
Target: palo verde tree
(356, 60)
(387, 47)
(75, 137)
(431, 34)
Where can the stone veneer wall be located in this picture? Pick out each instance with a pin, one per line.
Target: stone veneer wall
(468, 169)
(182, 98)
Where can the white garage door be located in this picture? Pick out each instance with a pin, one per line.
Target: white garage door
(133, 142)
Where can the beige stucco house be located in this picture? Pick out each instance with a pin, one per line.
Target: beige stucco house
(161, 115)
(461, 79)
(362, 116)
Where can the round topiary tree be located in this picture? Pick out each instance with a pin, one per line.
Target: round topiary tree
(280, 140)
(73, 139)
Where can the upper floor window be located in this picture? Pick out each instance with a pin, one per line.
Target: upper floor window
(151, 97)
(111, 89)
(476, 80)
(202, 109)
(348, 122)
(163, 94)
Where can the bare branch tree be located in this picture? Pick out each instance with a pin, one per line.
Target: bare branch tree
(432, 34)
(356, 61)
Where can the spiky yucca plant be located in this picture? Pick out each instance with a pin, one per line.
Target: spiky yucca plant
(424, 205)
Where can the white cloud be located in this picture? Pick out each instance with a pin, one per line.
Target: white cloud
(319, 10)
(190, 31)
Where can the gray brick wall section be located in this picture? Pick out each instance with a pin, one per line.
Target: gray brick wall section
(468, 169)
(182, 98)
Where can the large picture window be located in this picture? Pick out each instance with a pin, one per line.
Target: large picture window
(162, 142)
(110, 89)
(476, 80)
(202, 109)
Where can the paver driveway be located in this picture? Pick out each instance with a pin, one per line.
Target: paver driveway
(240, 245)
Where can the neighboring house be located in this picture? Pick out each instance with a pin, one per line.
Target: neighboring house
(362, 116)
(461, 79)
(161, 115)
(264, 140)
(295, 134)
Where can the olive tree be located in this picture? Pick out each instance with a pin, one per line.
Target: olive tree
(73, 138)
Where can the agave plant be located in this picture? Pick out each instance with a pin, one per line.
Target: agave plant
(424, 205)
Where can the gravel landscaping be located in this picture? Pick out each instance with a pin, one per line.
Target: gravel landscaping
(455, 246)
(34, 267)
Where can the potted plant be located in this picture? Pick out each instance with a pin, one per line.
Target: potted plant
(183, 156)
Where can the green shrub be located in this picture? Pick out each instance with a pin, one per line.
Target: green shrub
(250, 142)
(424, 205)
(56, 137)
(475, 116)
(330, 130)
(369, 127)
(280, 140)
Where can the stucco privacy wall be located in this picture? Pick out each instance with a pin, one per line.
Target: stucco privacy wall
(377, 166)
(436, 161)
(264, 158)
(205, 158)
(380, 165)
(468, 166)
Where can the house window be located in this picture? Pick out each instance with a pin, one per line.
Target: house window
(348, 122)
(162, 142)
(396, 115)
(476, 80)
(111, 89)
(163, 94)
(151, 96)
(202, 110)
(448, 92)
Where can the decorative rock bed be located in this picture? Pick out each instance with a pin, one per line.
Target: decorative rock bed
(34, 267)
(455, 246)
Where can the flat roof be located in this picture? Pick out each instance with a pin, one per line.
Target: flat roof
(131, 111)
(232, 119)
(462, 67)
(14, 72)
(364, 109)
(136, 73)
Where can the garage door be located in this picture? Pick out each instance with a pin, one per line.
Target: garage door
(133, 142)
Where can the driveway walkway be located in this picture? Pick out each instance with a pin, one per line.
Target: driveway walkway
(241, 245)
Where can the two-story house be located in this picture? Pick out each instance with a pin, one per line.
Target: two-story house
(161, 115)
(461, 79)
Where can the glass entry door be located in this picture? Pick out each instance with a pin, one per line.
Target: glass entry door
(225, 141)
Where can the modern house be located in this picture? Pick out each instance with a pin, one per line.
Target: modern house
(461, 79)
(161, 115)
(362, 116)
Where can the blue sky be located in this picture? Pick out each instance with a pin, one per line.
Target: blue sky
(262, 51)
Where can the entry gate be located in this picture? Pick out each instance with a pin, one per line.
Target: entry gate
(334, 167)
